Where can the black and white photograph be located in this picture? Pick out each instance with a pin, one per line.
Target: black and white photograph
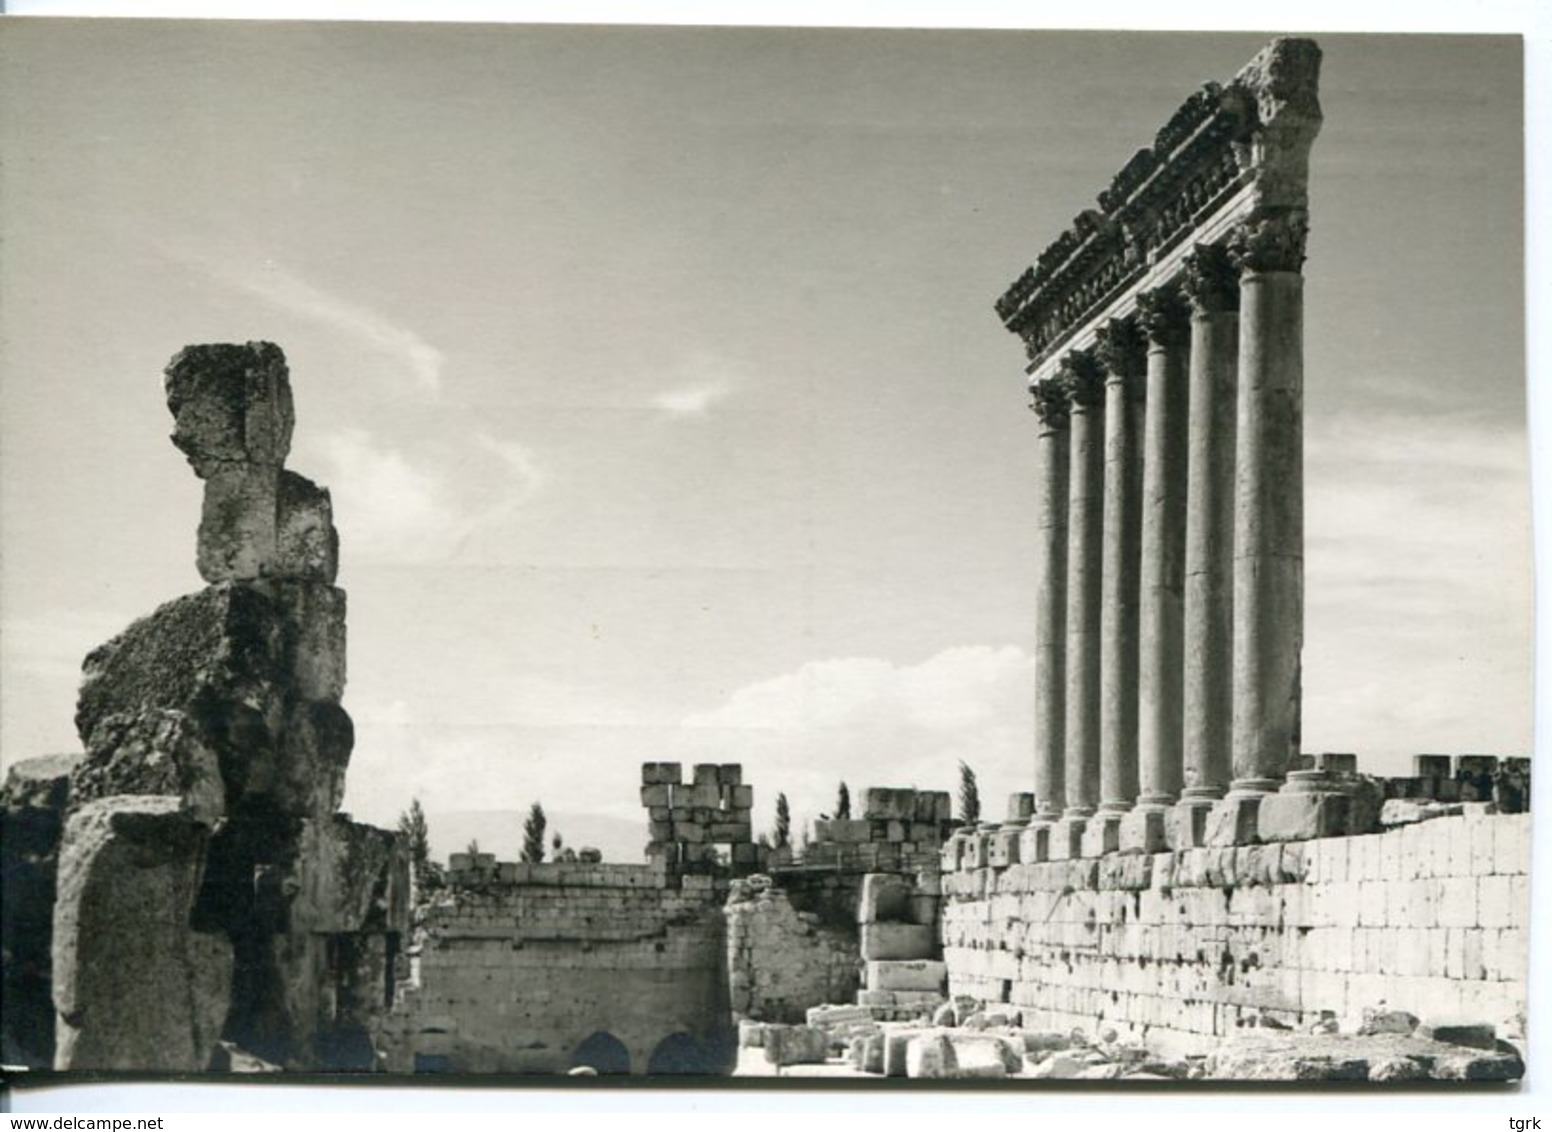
(542, 552)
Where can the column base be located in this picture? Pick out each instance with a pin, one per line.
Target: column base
(1002, 847)
(1145, 829)
(1103, 833)
(1188, 819)
(1034, 845)
(1234, 820)
(1309, 805)
(1066, 838)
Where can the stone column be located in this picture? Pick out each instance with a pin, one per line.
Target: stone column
(1084, 382)
(1053, 406)
(1212, 284)
(1161, 616)
(1268, 518)
(1122, 349)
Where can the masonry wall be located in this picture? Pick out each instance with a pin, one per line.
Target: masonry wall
(530, 973)
(1196, 944)
(783, 959)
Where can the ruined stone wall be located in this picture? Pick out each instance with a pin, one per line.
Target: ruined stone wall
(783, 960)
(539, 968)
(1200, 943)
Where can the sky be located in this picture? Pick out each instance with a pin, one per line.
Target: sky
(655, 376)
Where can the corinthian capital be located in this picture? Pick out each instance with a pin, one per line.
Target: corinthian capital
(1122, 348)
(1164, 315)
(1083, 379)
(1051, 401)
(1270, 243)
(1211, 281)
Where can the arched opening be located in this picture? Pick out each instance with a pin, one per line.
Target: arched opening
(679, 1054)
(603, 1052)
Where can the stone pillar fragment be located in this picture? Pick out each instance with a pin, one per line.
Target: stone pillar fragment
(1212, 283)
(1122, 349)
(1084, 382)
(1161, 617)
(1053, 406)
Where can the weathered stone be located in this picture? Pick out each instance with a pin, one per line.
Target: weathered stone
(1478, 1035)
(135, 987)
(885, 897)
(929, 1057)
(32, 805)
(1398, 1069)
(944, 1015)
(1057, 1066)
(897, 941)
(157, 751)
(1382, 1021)
(1302, 816)
(906, 974)
(231, 405)
(795, 1045)
(306, 543)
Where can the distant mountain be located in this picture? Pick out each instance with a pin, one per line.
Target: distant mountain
(501, 832)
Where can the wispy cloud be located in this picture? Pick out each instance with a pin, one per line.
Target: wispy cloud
(691, 400)
(274, 284)
(390, 502)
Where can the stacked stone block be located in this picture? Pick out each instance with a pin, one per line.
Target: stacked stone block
(209, 890)
(689, 820)
(897, 919)
(900, 830)
(1201, 943)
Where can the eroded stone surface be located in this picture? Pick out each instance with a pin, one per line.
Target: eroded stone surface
(231, 405)
(133, 986)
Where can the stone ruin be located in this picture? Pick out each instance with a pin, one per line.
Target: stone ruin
(213, 905)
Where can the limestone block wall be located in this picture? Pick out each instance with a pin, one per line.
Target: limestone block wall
(1199, 943)
(537, 968)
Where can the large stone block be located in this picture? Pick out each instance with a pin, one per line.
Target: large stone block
(306, 543)
(231, 405)
(1300, 816)
(253, 669)
(884, 897)
(906, 974)
(1233, 820)
(237, 525)
(352, 877)
(135, 986)
(1145, 830)
(885, 804)
(897, 941)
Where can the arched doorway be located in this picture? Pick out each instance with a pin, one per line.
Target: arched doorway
(679, 1054)
(603, 1052)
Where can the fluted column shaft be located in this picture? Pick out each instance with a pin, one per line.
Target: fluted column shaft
(1052, 404)
(1122, 350)
(1085, 524)
(1213, 286)
(1161, 617)
(1268, 502)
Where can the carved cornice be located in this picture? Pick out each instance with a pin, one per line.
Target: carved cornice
(1051, 401)
(1270, 243)
(1083, 378)
(1210, 280)
(1256, 131)
(1122, 348)
(1165, 317)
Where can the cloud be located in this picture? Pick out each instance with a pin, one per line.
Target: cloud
(1418, 587)
(876, 723)
(691, 400)
(391, 503)
(281, 288)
